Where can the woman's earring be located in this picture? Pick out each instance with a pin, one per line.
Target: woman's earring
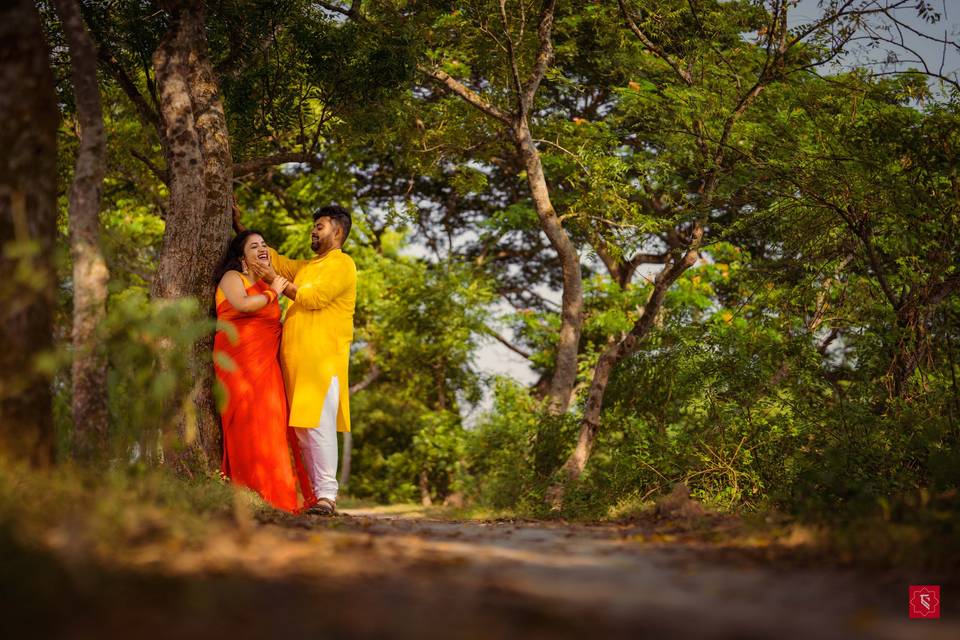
(243, 263)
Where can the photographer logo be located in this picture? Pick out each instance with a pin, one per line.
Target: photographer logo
(924, 601)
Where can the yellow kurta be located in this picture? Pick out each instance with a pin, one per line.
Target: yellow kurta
(317, 334)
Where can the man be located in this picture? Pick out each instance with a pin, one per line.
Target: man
(315, 347)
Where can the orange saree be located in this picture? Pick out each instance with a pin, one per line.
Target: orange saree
(256, 436)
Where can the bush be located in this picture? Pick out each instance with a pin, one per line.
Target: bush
(150, 344)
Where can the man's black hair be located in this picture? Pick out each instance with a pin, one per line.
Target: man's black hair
(338, 215)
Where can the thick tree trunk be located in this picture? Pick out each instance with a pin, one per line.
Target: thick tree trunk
(90, 274)
(571, 305)
(28, 214)
(200, 168)
(615, 351)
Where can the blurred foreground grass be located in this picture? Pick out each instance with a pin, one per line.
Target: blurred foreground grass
(63, 533)
(102, 508)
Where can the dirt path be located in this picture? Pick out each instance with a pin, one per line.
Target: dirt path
(375, 575)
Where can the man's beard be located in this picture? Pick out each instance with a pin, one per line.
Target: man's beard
(320, 246)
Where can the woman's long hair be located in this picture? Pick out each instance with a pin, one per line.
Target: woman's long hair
(233, 255)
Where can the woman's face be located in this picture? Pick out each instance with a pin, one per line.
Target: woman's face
(255, 250)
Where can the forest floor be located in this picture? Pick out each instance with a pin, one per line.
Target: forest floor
(402, 572)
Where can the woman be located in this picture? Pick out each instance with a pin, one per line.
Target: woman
(256, 453)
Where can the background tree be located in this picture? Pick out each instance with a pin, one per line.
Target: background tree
(27, 228)
(712, 81)
(90, 274)
(514, 76)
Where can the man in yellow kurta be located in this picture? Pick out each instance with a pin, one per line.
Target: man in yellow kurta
(315, 347)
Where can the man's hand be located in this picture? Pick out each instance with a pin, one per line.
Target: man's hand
(279, 284)
(263, 272)
(235, 216)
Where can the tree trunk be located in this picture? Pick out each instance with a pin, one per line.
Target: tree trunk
(571, 305)
(913, 321)
(425, 499)
(90, 274)
(200, 168)
(615, 351)
(909, 350)
(28, 215)
(369, 379)
(347, 460)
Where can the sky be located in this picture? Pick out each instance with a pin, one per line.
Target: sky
(917, 34)
(495, 359)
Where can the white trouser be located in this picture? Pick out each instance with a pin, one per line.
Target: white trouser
(318, 446)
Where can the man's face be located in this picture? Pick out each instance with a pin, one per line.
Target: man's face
(324, 236)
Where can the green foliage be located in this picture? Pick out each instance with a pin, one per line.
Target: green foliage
(149, 346)
(439, 453)
(514, 450)
(418, 325)
(422, 321)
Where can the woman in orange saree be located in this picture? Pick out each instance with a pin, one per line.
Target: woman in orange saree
(253, 408)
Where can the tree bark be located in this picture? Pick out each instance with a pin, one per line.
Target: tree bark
(347, 460)
(345, 466)
(90, 274)
(571, 303)
(425, 498)
(198, 159)
(28, 214)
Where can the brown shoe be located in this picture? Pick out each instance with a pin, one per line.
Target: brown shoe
(323, 507)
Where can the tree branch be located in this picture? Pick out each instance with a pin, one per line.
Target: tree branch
(149, 118)
(544, 54)
(612, 263)
(776, 31)
(469, 95)
(512, 56)
(509, 345)
(944, 289)
(830, 18)
(232, 65)
(259, 164)
(368, 379)
(653, 48)
(162, 175)
(352, 12)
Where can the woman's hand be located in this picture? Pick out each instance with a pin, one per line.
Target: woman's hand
(279, 284)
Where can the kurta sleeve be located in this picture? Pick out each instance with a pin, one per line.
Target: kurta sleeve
(285, 266)
(320, 293)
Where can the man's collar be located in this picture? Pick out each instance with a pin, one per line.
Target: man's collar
(327, 255)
